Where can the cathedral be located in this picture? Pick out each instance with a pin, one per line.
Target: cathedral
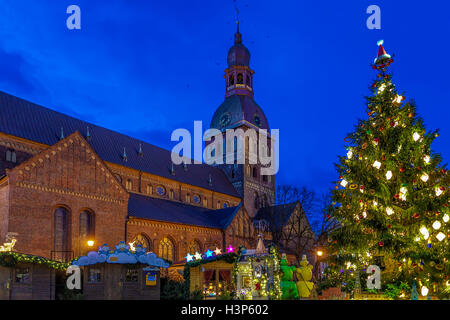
(68, 186)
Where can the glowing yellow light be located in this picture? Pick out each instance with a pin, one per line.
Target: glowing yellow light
(8, 246)
(344, 183)
(440, 236)
(389, 211)
(438, 191)
(436, 225)
(375, 203)
(364, 214)
(416, 136)
(90, 243)
(398, 99)
(424, 291)
(349, 154)
(427, 159)
(424, 232)
(389, 175)
(445, 218)
(377, 164)
(382, 87)
(320, 253)
(424, 177)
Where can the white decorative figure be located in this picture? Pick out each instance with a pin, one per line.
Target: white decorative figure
(374, 279)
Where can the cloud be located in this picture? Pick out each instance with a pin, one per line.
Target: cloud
(15, 71)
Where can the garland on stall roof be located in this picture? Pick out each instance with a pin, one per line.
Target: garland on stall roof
(11, 259)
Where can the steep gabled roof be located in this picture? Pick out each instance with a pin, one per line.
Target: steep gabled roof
(278, 215)
(30, 121)
(140, 206)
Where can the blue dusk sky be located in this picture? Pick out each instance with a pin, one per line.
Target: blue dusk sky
(145, 68)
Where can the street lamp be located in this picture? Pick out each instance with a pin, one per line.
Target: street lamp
(90, 243)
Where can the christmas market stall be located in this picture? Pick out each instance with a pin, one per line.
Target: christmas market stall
(210, 274)
(121, 274)
(257, 274)
(26, 277)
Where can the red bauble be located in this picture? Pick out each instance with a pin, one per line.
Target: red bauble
(402, 169)
(416, 215)
(390, 226)
(397, 196)
(383, 157)
(381, 129)
(392, 124)
(381, 243)
(442, 188)
(419, 168)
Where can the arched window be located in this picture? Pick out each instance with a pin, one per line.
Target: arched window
(248, 170)
(142, 240)
(11, 155)
(265, 201)
(171, 194)
(118, 177)
(240, 78)
(60, 234)
(149, 189)
(231, 80)
(166, 249)
(248, 80)
(218, 204)
(194, 247)
(256, 201)
(188, 198)
(160, 190)
(255, 172)
(128, 184)
(86, 227)
(205, 202)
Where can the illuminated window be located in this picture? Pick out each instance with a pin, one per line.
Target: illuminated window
(166, 249)
(171, 194)
(205, 202)
(128, 184)
(142, 240)
(149, 189)
(194, 247)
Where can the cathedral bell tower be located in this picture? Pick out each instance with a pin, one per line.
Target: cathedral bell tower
(240, 111)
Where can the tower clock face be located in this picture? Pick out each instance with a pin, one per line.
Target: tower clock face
(225, 119)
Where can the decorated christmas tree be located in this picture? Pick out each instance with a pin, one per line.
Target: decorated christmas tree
(392, 195)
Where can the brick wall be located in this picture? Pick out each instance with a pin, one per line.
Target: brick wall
(68, 174)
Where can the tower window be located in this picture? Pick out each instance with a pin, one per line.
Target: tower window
(255, 172)
(240, 78)
(11, 156)
(247, 80)
(231, 80)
